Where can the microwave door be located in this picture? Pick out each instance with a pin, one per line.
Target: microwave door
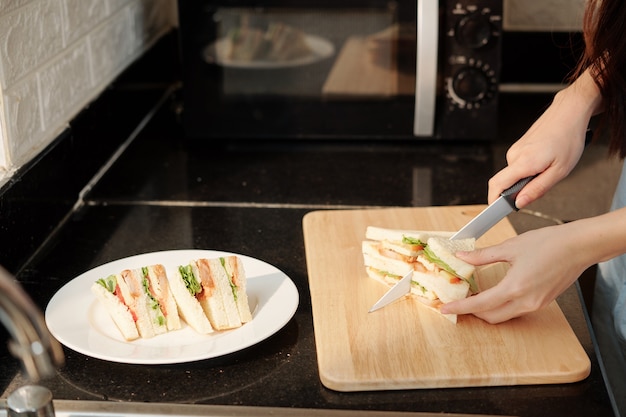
(426, 67)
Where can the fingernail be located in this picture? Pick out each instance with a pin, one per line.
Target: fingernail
(521, 201)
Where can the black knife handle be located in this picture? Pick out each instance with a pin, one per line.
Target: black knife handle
(510, 194)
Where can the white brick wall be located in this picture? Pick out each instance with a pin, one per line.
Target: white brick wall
(58, 55)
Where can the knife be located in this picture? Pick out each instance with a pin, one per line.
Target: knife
(486, 219)
(496, 211)
(399, 290)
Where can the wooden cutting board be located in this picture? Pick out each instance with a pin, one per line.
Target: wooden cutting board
(407, 346)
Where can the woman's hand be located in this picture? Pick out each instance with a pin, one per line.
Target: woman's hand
(543, 264)
(548, 149)
(553, 144)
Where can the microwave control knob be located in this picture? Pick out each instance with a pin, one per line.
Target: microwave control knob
(471, 86)
(474, 30)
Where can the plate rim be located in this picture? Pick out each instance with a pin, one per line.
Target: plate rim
(325, 49)
(286, 308)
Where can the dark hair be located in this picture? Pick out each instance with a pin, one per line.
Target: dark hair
(604, 28)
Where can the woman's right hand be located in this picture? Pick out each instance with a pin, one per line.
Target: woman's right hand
(552, 146)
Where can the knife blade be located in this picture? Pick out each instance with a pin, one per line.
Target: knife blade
(485, 220)
(496, 211)
(399, 289)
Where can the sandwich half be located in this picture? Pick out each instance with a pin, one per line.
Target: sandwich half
(223, 290)
(187, 291)
(236, 275)
(438, 275)
(157, 287)
(139, 301)
(218, 287)
(218, 302)
(108, 292)
(151, 300)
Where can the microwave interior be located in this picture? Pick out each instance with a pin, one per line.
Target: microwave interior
(331, 69)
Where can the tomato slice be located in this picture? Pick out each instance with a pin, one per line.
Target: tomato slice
(119, 295)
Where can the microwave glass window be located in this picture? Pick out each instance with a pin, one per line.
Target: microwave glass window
(330, 54)
(334, 69)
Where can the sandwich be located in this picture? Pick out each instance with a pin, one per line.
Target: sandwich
(157, 288)
(247, 44)
(211, 293)
(438, 275)
(108, 292)
(233, 269)
(278, 43)
(139, 298)
(287, 43)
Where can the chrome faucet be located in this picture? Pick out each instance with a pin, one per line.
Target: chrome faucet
(32, 343)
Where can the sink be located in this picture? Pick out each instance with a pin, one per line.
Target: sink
(77, 408)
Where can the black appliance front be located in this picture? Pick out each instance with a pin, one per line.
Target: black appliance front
(338, 69)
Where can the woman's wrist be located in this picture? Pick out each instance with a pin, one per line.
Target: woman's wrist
(583, 97)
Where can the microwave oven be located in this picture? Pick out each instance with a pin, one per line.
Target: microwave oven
(340, 69)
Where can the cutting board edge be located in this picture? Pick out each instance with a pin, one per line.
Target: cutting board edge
(334, 383)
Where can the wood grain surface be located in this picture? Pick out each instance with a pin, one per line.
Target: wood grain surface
(407, 346)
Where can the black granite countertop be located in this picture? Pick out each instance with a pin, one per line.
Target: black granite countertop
(162, 192)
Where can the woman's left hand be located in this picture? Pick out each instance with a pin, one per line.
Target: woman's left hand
(542, 265)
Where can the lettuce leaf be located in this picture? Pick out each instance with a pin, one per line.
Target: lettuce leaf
(109, 283)
(233, 287)
(428, 254)
(192, 284)
(412, 241)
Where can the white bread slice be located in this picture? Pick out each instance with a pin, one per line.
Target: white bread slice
(189, 307)
(160, 287)
(446, 249)
(233, 266)
(405, 249)
(119, 312)
(216, 299)
(381, 233)
(446, 290)
(446, 287)
(134, 298)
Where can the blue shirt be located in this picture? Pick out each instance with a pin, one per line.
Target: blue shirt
(609, 312)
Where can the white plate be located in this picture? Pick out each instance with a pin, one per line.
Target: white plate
(216, 52)
(79, 321)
